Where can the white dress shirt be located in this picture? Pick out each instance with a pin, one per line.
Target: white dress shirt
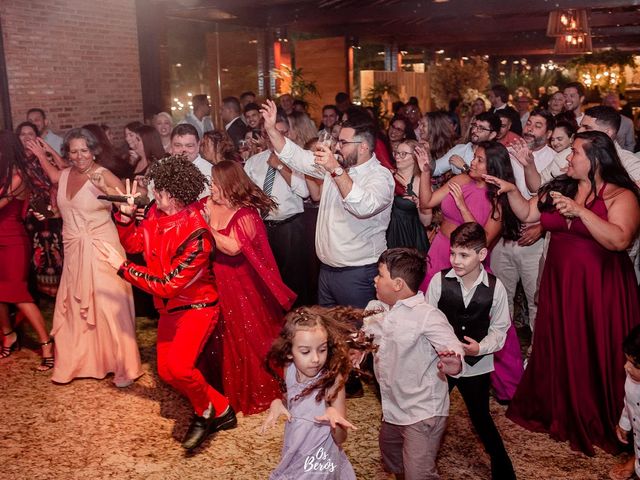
(465, 150)
(542, 158)
(350, 231)
(288, 197)
(205, 168)
(630, 162)
(202, 126)
(54, 140)
(409, 337)
(630, 418)
(499, 314)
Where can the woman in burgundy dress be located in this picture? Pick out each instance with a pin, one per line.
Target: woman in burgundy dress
(253, 296)
(573, 387)
(15, 252)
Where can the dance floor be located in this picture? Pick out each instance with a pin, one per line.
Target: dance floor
(90, 429)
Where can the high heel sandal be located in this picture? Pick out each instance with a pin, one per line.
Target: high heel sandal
(6, 351)
(47, 362)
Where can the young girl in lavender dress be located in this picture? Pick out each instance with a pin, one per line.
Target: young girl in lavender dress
(312, 349)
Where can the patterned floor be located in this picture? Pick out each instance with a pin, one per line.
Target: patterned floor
(89, 429)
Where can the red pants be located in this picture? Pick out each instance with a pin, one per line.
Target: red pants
(181, 338)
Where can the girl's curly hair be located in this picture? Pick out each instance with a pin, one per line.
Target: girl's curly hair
(179, 177)
(339, 323)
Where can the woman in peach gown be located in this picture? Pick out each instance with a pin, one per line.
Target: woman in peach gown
(94, 320)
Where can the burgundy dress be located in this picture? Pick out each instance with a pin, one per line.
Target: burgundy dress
(14, 254)
(253, 300)
(573, 387)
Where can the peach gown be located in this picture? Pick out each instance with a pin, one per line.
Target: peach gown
(94, 319)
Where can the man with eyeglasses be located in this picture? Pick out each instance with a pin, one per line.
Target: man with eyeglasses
(354, 211)
(458, 159)
(285, 225)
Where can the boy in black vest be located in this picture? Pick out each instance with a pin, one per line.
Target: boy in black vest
(475, 303)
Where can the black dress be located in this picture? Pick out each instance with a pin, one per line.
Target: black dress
(405, 228)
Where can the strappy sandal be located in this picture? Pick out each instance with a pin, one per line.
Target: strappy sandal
(6, 351)
(47, 362)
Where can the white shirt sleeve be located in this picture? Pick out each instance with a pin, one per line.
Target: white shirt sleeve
(299, 184)
(442, 163)
(624, 422)
(300, 159)
(500, 322)
(371, 197)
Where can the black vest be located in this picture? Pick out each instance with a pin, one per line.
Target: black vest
(472, 321)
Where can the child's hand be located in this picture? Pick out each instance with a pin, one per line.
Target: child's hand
(471, 348)
(332, 416)
(622, 435)
(276, 409)
(356, 357)
(449, 363)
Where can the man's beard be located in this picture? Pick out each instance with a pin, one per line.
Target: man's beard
(533, 142)
(348, 161)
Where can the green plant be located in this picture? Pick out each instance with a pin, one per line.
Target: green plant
(530, 81)
(375, 98)
(300, 87)
(451, 79)
(608, 58)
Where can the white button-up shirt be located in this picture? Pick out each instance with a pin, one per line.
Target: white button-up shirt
(350, 231)
(630, 162)
(499, 313)
(464, 150)
(542, 158)
(630, 418)
(409, 337)
(288, 197)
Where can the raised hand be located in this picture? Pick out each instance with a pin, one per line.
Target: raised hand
(503, 185)
(522, 152)
(423, 158)
(276, 409)
(333, 417)
(131, 192)
(269, 113)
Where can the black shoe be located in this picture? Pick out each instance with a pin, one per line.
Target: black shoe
(226, 421)
(201, 428)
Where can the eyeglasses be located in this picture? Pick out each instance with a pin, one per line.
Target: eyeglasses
(342, 143)
(475, 126)
(400, 154)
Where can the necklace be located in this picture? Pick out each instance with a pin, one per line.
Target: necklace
(86, 170)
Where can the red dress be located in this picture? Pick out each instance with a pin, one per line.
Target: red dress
(253, 300)
(14, 254)
(573, 387)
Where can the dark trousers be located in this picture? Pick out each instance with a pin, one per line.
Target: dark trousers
(348, 286)
(475, 393)
(292, 252)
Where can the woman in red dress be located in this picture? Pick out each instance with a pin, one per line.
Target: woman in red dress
(253, 296)
(15, 252)
(573, 387)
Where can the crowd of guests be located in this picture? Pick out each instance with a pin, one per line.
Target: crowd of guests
(417, 236)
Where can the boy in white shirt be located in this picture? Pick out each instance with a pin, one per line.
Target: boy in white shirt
(475, 303)
(417, 348)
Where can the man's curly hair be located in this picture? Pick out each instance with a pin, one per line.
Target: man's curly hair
(179, 177)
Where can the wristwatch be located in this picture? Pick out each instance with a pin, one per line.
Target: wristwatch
(337, 172)
(279, 167)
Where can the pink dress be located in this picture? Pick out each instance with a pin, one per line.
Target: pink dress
(507, 362)
(94, 320)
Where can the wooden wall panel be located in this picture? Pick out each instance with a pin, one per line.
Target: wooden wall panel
(408, 84)
(324, 61)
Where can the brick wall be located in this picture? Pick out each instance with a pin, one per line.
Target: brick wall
(77, 59)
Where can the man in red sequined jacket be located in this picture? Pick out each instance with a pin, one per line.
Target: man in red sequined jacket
(177, 246)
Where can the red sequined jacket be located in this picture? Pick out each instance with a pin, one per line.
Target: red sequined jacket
(178, 250)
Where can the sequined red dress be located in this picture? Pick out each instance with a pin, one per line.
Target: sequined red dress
(253, 301)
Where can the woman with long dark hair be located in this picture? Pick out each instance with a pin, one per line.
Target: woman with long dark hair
(468, 198)
(253, 296)
(573, 387)
(15, 251)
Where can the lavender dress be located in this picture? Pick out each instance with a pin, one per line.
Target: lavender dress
(309, 451)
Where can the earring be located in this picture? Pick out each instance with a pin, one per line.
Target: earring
(94, 157)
